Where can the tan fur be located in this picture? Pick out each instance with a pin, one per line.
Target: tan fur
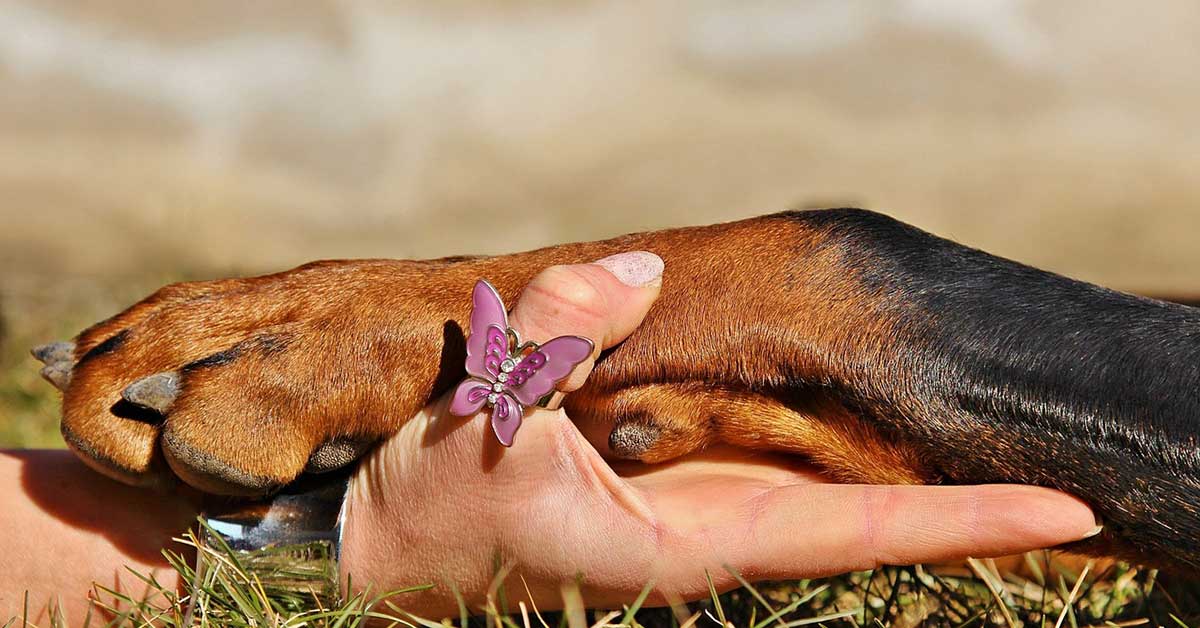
(691, 416)
(349, 349)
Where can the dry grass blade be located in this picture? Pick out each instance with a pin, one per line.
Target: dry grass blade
(463, 615)
(573, 608)
(986, 576)
(716, 599)
(1031, 562)
(1074, 592)
(994, 572)
(529, 596)
(823, 618)
(1120, 624)
(495, 592)
(603, 622)
(797, 603)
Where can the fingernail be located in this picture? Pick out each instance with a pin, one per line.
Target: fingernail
(635, 268)
(1093, 532)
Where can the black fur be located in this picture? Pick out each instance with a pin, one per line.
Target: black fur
(1020, 375)
(110, 344)
(266, 344)
(219, 358)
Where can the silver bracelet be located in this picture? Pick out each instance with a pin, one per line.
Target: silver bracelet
(290, 542)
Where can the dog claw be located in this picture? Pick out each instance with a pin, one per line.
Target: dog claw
(58, 374)
(156, 392)
(54, 352)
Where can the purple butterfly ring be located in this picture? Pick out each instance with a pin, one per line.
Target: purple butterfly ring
(506, 374)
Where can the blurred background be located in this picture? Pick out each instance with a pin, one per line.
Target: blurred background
(145, 142)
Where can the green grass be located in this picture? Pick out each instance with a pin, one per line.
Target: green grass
(29, 406)
(45, 309)
(225, 594)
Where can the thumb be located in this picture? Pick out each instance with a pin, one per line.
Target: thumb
(603, 301)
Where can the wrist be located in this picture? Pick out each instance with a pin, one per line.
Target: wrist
(406, 529)
(356, 567)
(380, 554)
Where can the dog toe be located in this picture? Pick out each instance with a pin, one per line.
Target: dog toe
(193, 460)
(237, 424)
(261, 457)
(121, 448)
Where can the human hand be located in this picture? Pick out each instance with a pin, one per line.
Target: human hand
(441, 500)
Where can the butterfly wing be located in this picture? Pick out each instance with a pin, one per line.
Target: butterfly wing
(538, 372)
(469, 397)
(487, 345)
(506, 418)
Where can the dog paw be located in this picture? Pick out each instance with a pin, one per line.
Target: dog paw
(237, 386)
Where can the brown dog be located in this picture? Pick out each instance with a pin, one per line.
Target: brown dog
(880, 352)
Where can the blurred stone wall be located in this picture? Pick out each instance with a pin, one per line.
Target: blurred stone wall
(146, 138)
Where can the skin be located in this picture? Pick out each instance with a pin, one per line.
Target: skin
(66, 526)
(439, 500)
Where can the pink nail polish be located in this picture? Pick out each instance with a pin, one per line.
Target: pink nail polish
(635, 268)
